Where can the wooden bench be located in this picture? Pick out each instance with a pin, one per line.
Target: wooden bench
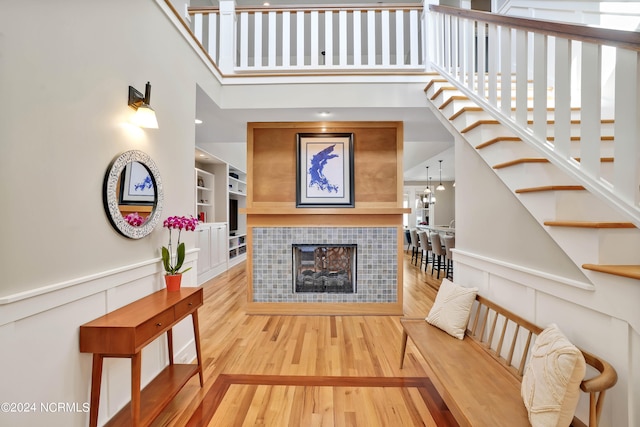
(479, 378)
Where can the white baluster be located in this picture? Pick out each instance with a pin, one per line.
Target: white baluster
(562, 98)
(384, 23)
(257, 40)
(272, 31)
(481, 58)
(212, 44)
(314, 39)
(469, 53)
(244, 40)
(197, 26)
(328, 38)
(371, 38)
(522, 74)
(590, 120)
(492, 65)
(540, 86)
(357, 38)
(505, 71)
(286, 39)
(627, 126)
(400, 56)
(413, 38)
(300, 42)
(342, 18)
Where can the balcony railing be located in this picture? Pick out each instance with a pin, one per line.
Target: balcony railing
(509, 65)
(310, 39)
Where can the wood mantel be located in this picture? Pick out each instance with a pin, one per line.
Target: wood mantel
(325, 211)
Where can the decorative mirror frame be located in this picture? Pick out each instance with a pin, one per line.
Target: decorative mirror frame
(110, 199)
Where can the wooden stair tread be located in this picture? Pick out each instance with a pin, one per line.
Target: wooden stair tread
(539, 160)
(464, 110)
(442, 89)
(590, 224)
(530, 122)
(630, 271)
(451, 99)
(435, 81)
(498, 139)
(521, 161)
(550, 188)
(479, 123)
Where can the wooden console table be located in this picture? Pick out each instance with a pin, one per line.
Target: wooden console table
(124, 332)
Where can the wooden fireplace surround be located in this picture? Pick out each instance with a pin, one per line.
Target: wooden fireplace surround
(271, 197)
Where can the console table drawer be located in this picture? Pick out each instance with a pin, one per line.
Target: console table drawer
(188, 305)
(153, 327)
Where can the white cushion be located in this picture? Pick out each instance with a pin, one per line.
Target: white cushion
(551, 383)
(452, 307)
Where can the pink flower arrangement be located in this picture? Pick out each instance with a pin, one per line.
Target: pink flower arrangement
(176, 223)
(134, 219)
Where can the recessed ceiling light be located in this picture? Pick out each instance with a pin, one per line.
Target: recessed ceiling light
(265, 3)
(198, 121)
(325, 113)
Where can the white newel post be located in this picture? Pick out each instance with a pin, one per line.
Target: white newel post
(227, 35)
(428, 34)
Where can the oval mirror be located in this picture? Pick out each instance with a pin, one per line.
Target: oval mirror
(132, 194)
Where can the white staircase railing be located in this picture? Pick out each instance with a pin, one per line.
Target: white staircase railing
(308, 39)
(551, 65)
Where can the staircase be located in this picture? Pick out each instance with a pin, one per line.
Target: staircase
(596, 237)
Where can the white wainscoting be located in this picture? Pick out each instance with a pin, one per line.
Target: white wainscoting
(40, 356)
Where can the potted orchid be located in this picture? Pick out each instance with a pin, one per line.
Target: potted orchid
(172, 265)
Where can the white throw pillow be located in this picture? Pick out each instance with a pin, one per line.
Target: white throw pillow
(452, 307)
(551, 382)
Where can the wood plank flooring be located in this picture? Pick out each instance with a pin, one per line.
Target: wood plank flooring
(307, 370)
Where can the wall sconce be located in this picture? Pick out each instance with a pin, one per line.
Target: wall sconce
(144, 117)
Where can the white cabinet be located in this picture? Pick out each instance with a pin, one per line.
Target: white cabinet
(212, 242)
(204, 244)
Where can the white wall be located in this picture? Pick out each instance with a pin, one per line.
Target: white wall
(65, 68)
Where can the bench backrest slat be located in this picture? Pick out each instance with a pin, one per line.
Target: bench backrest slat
(523, 361)
(514, 339)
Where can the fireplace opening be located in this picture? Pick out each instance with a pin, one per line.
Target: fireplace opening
(329, 268)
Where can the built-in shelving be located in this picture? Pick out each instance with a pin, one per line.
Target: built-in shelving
(221, 191)
(205, 183)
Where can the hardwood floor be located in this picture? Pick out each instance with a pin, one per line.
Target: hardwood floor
(307, 370)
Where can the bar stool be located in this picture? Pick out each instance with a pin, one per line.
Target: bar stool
(438, 252)
(415, 245)
(425, 247)
(407, 239)
(449, 243)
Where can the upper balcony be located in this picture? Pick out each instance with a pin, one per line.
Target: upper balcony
(267, 41)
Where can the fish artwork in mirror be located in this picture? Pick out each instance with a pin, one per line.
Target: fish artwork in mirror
(132, 194)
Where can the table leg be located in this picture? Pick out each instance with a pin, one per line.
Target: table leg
(136, 364)
(96, 380)
(403, 347)
(196, 335)
(170, 345)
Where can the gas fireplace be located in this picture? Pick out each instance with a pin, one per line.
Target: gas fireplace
(325, 268)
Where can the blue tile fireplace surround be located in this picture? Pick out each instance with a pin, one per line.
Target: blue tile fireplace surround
(376, 271)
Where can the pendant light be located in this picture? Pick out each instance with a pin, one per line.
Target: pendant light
(427, 190)
(440, 187)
